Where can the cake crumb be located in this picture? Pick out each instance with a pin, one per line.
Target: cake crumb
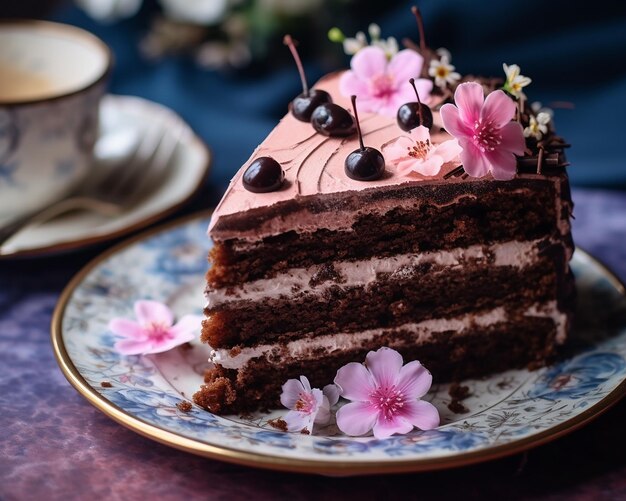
(305, 431)
(106, 384)
(184, 406)
(457, 407)
(279, 424)
(458, 393)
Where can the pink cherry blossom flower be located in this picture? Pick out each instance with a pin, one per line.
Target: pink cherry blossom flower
(308, 405)
(490, 140)
(153, 332)
(418, 154)
(382, 85)
(385, 396)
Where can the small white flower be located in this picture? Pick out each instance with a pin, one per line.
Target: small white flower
(443, 52)
(537, 108)
(109, 10)
(538, 126)
(514, 81)
(390, 46)
(203, 12)
(374, 31)
(443, 72)
(353, 45)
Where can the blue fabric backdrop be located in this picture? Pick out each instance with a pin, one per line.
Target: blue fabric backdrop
(573, 53)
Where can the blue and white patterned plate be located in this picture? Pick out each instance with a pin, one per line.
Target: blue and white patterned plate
(507, 412)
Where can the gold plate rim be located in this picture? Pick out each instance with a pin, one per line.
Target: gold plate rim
(298, 465)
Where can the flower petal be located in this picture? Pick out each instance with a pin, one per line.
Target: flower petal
(188, 324)
(397, 149)
(127, 328)
(503, 164)
(291, 393)
(498, 108)
(453, 123)
(132, 346)
(369, 62)
(298, 421)
(469, 98)
(332, 393)
(420, 134)
(512, 138)
(356, 418)
(148, 312)
(406, 167)
(305, 384)
(422, 414)
(414, 380)
(404, 65)
(350, 84)
(385, 365)
(384, 428)
(448, 150)
(355, 382)
(323, 412)
(474, 161)
(168, 344)
(430, 166)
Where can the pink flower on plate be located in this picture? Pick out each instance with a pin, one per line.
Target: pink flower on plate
(490, 140)
(385, 396)
(308, 405)
(418, 154)
(153, 332)
(382, 85)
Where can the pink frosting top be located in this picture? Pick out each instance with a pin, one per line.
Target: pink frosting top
(314, 164)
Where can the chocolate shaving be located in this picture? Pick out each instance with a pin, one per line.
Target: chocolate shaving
(106, 384)
(458, 171)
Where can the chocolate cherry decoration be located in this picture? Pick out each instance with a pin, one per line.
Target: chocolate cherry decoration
(330, 119)
(263, 175)
(411, 115)
(304, 104)
(366, 163)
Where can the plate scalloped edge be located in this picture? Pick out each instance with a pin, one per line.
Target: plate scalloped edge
(345, 463)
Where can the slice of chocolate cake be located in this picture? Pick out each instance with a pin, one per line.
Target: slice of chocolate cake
(469, 275)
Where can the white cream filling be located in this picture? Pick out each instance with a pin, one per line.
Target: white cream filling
(422, 333)
(361, 273)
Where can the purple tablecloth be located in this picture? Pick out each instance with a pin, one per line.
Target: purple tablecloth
(54, 445)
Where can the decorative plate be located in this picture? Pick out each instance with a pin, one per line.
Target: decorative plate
(187, 171)
(507, 412)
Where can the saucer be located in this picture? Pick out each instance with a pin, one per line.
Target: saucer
(187, 170)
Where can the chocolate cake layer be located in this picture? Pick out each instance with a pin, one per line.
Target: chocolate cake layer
(479, 212)
(520, 342)
(408, 294)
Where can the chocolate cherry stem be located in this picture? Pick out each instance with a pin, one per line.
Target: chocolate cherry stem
(289, 42)
(358, 125)
(420, 26)
(419, 102)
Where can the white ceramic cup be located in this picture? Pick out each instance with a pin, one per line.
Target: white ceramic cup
(52, 77)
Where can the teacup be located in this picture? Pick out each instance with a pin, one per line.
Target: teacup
(52, 77)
